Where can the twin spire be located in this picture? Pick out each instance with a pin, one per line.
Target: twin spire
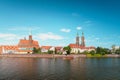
(82, 40)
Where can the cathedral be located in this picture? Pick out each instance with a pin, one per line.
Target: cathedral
(24, 46)
(80, 47)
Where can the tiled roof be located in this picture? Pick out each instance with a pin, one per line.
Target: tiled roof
(58, 48)
(81, 47)
(46, 47)
(26, 43)
(9, 47)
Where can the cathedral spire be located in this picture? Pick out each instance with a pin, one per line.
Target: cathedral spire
(83, 40)
(77, 39)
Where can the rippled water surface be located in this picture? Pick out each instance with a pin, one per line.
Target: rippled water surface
(59, 69)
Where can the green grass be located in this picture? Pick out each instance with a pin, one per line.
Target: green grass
(95, 55)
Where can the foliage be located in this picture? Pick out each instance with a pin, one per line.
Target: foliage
(113, 48)
(85, 52)
(117, 51)
(50, 52)
(100, 50)
(78, 51)
(68, 49)
(35, 50)
(92, 52)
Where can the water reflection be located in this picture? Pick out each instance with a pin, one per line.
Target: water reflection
(59, 69)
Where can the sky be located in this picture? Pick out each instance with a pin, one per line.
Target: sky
(56, 22)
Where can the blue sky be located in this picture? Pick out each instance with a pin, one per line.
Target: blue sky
(55, 22)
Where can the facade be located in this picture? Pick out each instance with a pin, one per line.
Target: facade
(80, 47)
(24, 46)
(59, 49)
(45, 49)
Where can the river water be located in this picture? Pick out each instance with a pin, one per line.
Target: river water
(59, 69)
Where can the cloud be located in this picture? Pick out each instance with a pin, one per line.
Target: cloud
(79, 28)
(97, 38)
(7, 35)
(49, 36)
(65, 30)
(25, 28)
(8, 39)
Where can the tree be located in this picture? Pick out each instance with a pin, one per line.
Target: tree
(50, 51)
(68, 49)
(113, 48)
(78, 51)
(117, 51)
(98, 50)
(35, 50)
(92, 52)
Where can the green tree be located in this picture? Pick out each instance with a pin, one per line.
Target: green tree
(117, 51)
(36, 50)
(113, 48)
(68, 49)
(78, 51)
(98, 50)
(85, 52)
(50, 52)
(92, 52)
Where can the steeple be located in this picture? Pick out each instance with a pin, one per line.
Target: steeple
(77, 39)
(83, 40)
(30, 37)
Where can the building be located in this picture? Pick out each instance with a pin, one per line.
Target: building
(24, 46)
(45, 49)
(80, 47)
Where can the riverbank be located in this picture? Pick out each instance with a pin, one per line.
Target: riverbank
(41, 55)
(55, 55)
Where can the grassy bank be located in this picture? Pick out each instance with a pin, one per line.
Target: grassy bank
(95, 55)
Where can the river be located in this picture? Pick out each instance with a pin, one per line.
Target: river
(59, 69)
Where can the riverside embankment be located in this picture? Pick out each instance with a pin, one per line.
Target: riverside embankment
(53, 55)
(40, 55)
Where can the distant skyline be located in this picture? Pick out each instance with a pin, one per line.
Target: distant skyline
(56, 22)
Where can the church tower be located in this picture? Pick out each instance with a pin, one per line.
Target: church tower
(30, 38)
(77, 39)
(83, 40)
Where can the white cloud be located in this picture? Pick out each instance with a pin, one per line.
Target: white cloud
(49, 36)
(7, 35)
(97, 38)
(8, 39)
(79, 28)
(25, 28)
(65, 30)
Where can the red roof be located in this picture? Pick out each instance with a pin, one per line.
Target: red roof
(58, 48)
(81, 47)
(76, 46)
(46, 47)
(9, 47)
(27, 43)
